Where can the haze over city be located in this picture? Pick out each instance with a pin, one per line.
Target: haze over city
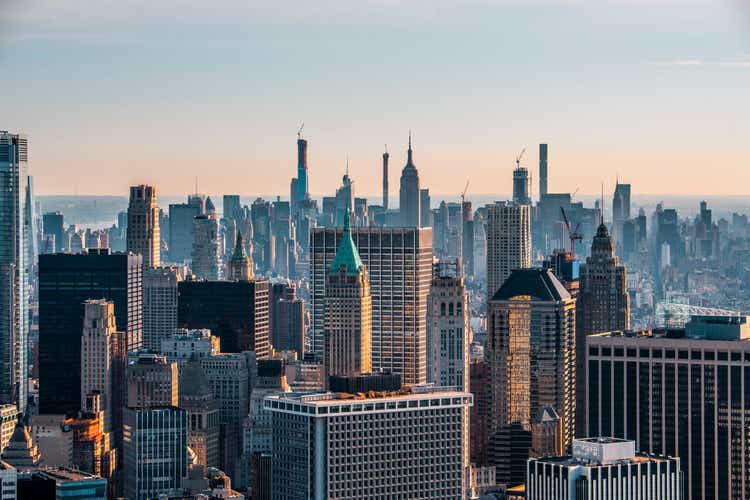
(119, 93)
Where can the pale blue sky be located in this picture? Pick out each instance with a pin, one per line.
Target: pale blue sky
(113, 93)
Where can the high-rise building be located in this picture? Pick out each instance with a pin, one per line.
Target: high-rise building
(385, 179)
(92, 444)
(14, 269)
(241, 264)
(409, 197)
(159, 305)
(448, 328)
(348, 315)
(206, 254)
(98, 358)
(197, 398)
(155, 452)
(531, 351)
(603, 305)
(399, 266)
(480, 412)
(65, 283)
(287, 319)
(326, 445)
(521, 186)
(604, 469)
(620, 210)
(143, 235)
(53, 224)
(542, 170)
(231, 208)
(235, 311)
(21, 451)
(508, 242)
(181, 217)
(680, 392)
(425, 214)
(302, 188)
(151, 381)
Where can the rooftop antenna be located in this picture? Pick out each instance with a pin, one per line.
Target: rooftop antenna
(196, 185)
(601, 207)
(299, 132)
(347, 164)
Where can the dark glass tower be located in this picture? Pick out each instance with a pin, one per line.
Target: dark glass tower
(302, 192)
(65, 282)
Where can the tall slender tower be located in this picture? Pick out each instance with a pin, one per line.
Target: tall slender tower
(385, 178)
(409, 198)
(98, 357)
(508, 242)
(348, 317)
(302, 192)
(542, 170)
(143, 225)
(14, 286)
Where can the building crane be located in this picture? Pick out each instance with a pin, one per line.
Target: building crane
(518, 158)
(573, 234)
(463, 194)
(573, 196)
(299, 132)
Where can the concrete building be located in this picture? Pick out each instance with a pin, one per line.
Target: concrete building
(409, 197)
(99, 357)
(143, 235)
(331, 445)
(185, 345)
(508, 242)
(8, 418)
(159, 305)
(8, 479)
(151, 381)
(197, 398)
(348, 316)
(21, 451)
(448, 328)
(604, 469)
(679, 393)
(531, 352)
(399, 266)
(206, 254)
(14, 269)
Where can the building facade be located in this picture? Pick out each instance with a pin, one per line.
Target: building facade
(409, 195)
(206, 254)
(508, 242)
(98, 357)
(159, 305)
(143, 236)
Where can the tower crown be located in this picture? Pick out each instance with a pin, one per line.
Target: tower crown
(347, 255)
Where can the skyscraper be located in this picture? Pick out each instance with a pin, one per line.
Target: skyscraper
(302, 188)
(542, 170)
(53, 226)
(151, 381)
(603, 305)
(287, 319)
(448, 328)
(531, 350)
(681, 392)
(409, 197)
(385, 179)
(65, 282)
(348, 313)
(231, 208)
(143, 235)
(206, 254)
(14, 278)
(399, 266)
(425, 214)
(181, 217)
(521, 186)
(620, 210)
(198, 400)
(508, 242)
(98, 357)
(241, 264)
(159, 305)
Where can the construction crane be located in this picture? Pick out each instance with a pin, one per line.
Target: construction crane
(573, 196)
(518, 158)
(463, 194)
(299, 132)
(573, 234)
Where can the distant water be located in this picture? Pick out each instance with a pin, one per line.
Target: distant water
(101, 211)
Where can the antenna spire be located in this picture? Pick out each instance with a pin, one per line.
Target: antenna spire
(601, 211)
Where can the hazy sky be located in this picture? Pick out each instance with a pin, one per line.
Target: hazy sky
(113, 93)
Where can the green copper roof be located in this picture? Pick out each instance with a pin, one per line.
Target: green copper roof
(239, 249)
(346, 255)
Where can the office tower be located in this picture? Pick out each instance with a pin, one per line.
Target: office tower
(185, 345)
(206, 254)
(678, 392)
(181, 217)
(228, 375)
(320, 440)
(263, 241)
(531, 351)
(302, 188)
(348, 313)
(603, 305)
(542, 170)
(54, 436)
(508, 242)
(399, 266)
(14, 268)
(143, 225)
(231, 208)
(151, 381)
(8, 480)
(155, 452)
(385, 179)
(198, 400)
(448, 328)
(425, 214)
(604, 469)
(668, 234)
(53, 224)
(479, 414)
(98, 358)
(159, 305)
(65, 283)
(241, 264)
(521, 186)
(21, 451)
(287, 319)
(234, 311)
(409, 196)
(92, 444)
(620, 210)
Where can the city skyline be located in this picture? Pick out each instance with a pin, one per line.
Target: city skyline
(233, 93)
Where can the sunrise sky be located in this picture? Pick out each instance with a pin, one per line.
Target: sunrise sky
(113, 93)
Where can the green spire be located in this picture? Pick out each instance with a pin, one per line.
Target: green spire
(347, 255)
(239, 248)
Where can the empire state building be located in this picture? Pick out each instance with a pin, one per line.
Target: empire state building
(409, 192)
